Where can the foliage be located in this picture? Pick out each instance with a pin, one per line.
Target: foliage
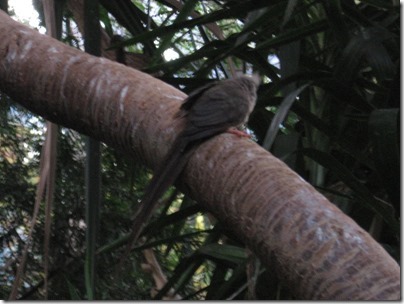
(331, 85)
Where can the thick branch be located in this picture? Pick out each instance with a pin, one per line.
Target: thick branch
(319, 252)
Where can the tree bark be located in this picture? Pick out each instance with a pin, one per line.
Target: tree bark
(316, 250)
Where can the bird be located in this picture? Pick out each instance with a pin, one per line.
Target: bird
(215, 108)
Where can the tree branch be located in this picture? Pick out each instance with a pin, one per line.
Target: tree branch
(319, 252)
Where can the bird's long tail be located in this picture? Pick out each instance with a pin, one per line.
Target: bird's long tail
(165, 175)
(162, 179)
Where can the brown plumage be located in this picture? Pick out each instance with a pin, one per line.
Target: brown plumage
(208, 111)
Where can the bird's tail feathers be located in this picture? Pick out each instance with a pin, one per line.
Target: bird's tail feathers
(163, 177)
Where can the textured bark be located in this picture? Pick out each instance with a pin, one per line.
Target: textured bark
(316, 250)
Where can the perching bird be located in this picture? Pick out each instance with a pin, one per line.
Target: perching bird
(208, 111)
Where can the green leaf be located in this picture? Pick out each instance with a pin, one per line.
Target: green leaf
(366, 44)
(131, 18)
(280, 115)
(233, 283)
(288, 11)
(74, 294)
(183, 14)
(335, 18)
(384, 133)
(235, 11)
(182, 274)
(227, 253)
(381, 4)
(294, 34)
(172, 219)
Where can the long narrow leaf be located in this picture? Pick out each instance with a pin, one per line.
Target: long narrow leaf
(224, 252)
(294, 34)
(384, 134)
(92, 45)
(183, 14)
(283, 110)
(226, 13)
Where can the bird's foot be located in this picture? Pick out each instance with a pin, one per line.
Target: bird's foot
(238, 133)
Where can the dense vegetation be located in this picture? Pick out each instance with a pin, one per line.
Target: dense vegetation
(331, 90)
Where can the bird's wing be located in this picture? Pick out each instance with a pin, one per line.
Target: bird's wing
(194, 95)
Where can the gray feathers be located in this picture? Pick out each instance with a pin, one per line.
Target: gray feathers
(208, 111)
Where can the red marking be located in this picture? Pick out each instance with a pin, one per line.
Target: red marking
(238, 133)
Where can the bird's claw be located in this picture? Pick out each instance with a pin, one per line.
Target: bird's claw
(238, 133)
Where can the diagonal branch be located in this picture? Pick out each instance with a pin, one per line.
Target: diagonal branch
(316, 250)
